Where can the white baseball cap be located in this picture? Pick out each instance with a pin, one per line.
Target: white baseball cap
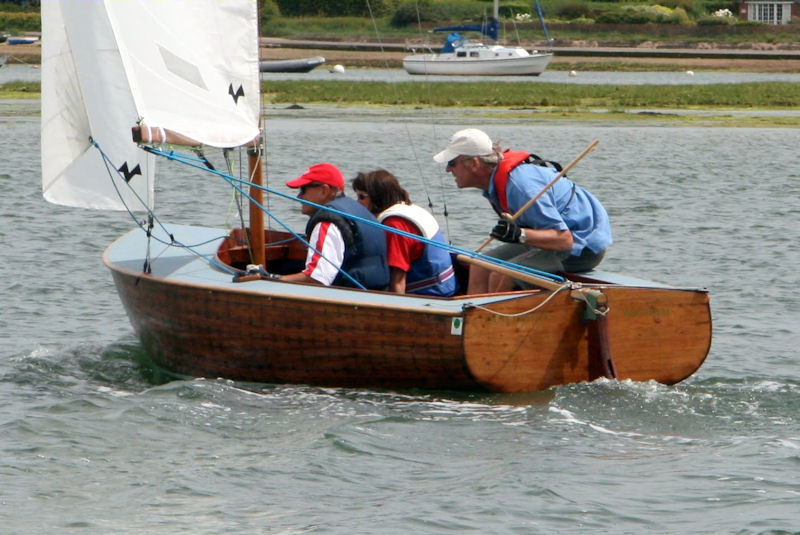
(467, 142)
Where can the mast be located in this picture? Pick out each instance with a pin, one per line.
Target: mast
(255, 166)
(256, 169)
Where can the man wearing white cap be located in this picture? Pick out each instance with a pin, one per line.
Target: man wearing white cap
(566, 229)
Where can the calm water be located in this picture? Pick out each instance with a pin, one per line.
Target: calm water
(26, 72)
(90, 444)
(562, 77)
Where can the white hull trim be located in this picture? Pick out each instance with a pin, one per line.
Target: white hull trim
(449, 64)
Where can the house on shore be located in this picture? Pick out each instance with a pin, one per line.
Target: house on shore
(770, 11)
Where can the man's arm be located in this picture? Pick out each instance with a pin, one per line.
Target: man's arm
(549, 239)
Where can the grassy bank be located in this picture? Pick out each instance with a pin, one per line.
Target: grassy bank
(772, 95)
(766, 95)
(575, 102)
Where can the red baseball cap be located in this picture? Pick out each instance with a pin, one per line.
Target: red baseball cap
(325, 173)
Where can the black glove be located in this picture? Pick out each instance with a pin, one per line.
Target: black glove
(507, 231)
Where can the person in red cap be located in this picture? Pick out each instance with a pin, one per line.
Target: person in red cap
(338, 243)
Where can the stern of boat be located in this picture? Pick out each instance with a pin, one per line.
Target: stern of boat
(533, 343)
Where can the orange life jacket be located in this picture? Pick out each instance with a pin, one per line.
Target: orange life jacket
(512, 159)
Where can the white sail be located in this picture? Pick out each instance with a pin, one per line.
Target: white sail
(187, 66)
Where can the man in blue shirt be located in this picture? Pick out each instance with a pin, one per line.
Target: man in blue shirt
(565, 230)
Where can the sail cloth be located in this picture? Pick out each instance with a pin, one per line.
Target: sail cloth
(189, 66)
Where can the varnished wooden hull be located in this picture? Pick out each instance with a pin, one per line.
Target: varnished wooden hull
(655, 334)
(214, 333)
(265, 333)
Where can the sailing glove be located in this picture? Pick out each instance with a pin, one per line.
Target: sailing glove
(507, 231)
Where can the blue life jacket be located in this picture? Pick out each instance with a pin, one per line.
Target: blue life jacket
(432, 273)
(364, 245)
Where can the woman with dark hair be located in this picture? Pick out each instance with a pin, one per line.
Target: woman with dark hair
(415, 267)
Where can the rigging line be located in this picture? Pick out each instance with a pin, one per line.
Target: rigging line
(435, 135)
(234, 202)
(524, 312)
(181, 158)
(231, 180)
(109, 166)
(448, 247)
(262, 153)
(516, 31)
(152, 217)
(236, 199)
(410, 137)
(394, 88)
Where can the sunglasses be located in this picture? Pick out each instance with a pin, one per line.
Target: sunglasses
(452, 163)
(305, 188)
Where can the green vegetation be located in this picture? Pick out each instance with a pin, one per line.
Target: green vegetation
(771, 95)
(712, 104)
(563, 33)
(15, 22)
(608, 22)
(20, 90)
(765, 95)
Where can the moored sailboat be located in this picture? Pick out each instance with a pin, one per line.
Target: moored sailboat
(187, 289)
(460, 56)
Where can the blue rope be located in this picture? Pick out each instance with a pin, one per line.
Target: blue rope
(172, 155)
(111, 169)
(234, 182)
(451, 248)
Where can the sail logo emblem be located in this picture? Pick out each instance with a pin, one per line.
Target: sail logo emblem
(129, 174)
(236, 94)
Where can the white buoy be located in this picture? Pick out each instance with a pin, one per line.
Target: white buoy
(690, 73)
(573, 73)
(337, 69)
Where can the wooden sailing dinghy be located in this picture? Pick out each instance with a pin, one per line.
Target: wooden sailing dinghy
(194, 320)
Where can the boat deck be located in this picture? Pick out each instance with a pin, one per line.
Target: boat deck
(182, 264)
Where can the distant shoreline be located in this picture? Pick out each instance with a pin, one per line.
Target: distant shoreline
(603, 58)
(394, 60)
(764, 59)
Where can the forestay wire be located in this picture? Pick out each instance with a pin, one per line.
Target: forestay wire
(204, 164)
(152, 217)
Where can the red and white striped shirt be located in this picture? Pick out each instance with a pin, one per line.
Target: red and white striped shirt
(327, 239)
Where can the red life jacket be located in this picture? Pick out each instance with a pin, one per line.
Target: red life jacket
(510, 160)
